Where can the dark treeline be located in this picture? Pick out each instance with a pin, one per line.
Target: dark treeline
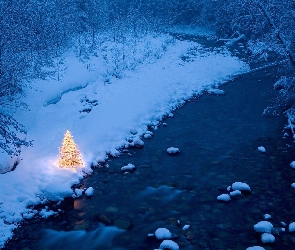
(33, 33)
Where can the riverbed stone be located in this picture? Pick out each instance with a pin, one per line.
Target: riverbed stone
(111, 209)
(104, 219)
(123, 224)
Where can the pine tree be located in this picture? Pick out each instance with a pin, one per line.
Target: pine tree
(69, 154)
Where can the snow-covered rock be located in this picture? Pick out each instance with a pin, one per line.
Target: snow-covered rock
(169, 244)
(185, 227)
(235, 193)
(283, 223)
(89, 191)
(292, 164)
(173, 150)
(147, 136)
(292, 227)
(293, 185)
(240, 186)
(267, 238)
(78, 192)
(267, 216)
(128, 168)
(216, 91)
(162, 234)
(261, 149)
(255, 248)
(263, 227)
(223, 197)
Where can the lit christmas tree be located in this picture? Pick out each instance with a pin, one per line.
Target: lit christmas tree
(69, 154)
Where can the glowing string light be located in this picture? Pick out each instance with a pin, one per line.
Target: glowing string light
(69, 154)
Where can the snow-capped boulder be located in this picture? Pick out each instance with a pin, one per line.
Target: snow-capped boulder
(267, 216)
(78, 192)
(263, 227)
(292, 227)
(293, 185)
(267, 238)
(241, 186)
(292, 164)
(89, 191)
(173, 150)
(283, 223)
(255, 248)
(235, 193)
(169, 244)
(261, 149)
(162, 234)
(128, 168)
(223, 197)
(185, 227)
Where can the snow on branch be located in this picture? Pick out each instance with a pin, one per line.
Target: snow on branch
(277, 32)
(11, 135)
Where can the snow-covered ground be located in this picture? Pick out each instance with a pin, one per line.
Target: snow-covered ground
(103, 116)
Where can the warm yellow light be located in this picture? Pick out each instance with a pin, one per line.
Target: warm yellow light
(69, 154)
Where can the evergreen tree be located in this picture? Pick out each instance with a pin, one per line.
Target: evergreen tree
(69, 154)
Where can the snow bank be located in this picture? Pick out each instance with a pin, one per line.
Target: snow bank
(7, 162)
(100, 117)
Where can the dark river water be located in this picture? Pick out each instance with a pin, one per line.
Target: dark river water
(218, 138)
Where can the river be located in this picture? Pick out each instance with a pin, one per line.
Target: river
(218, 137)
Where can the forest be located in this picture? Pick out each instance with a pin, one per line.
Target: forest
(34, 36)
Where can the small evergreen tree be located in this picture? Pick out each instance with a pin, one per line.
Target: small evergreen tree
(69, 154)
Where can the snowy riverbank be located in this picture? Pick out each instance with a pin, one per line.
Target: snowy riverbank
(101, 117)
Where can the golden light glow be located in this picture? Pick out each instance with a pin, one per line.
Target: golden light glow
(69, 154)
